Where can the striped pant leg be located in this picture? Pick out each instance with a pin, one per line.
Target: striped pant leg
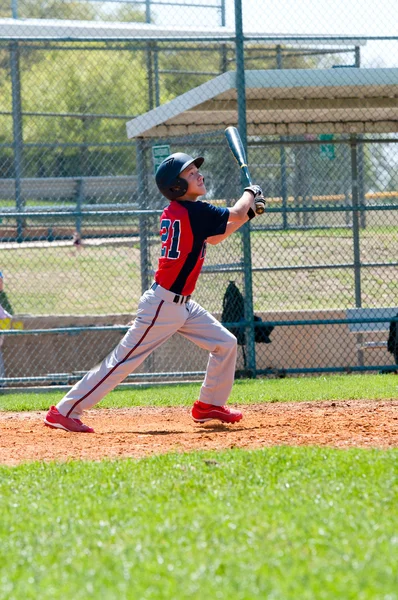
(208, 333)
(156, 322)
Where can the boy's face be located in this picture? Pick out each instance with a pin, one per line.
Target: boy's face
(196, 183)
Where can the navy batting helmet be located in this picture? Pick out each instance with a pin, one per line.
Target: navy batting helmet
(167, 176)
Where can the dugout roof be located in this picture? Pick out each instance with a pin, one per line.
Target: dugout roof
(282, 102)
(69, 30)
(75, 30)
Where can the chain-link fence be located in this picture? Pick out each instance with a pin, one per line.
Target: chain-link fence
(79, 209)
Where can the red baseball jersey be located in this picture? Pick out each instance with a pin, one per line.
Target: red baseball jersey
(184, 229)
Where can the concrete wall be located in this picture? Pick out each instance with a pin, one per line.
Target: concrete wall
(292, 347)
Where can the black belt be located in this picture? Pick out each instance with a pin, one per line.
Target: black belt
(177, 298)
(181, 299)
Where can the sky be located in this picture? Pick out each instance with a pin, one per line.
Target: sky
(287, 17)
(303, 17)
(339, 17)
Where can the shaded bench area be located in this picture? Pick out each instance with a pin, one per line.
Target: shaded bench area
(78, 189)
(62, 347)
(370, 324)
(54, 207)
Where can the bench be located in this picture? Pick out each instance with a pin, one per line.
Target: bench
(71, 188)
(369, 326)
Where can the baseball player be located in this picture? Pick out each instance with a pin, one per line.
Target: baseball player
(186, 226)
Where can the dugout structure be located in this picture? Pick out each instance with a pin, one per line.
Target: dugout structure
(286, 102)
(295, 105)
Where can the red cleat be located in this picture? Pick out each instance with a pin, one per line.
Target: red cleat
(202, 412)
(55, 420)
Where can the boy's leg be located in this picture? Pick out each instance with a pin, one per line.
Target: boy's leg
(156, 322)
(208, 333)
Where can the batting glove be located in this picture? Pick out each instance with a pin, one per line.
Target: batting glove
(255, 190)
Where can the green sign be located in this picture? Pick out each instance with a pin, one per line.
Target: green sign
(159, 153)
(327, 150)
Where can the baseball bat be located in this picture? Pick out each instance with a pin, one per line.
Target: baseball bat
(236, 146)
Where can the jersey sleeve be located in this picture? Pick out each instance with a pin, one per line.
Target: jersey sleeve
(209, 220)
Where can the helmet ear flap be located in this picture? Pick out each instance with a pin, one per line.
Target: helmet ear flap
(179, 187)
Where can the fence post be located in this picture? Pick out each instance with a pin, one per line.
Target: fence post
(156, 73)
(247, 261)
(282, 151)
(361, 171)
(79, 202)
(17, 133)
(142, 199)
(355, 234)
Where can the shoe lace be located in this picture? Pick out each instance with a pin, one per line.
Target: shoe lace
(224, 409)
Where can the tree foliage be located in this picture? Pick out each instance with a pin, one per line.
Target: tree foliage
(71, 9)
(83, 93)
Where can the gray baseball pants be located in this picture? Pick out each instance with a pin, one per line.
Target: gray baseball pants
(159, 316)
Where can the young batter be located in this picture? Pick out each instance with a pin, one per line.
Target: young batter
(186, 225)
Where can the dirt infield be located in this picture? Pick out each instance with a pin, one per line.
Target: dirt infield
(145, 431)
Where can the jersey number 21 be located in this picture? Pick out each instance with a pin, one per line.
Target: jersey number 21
(170, 228)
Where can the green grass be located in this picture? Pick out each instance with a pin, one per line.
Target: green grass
(249, 391)
(106, 279)
(281, 523)
(54, 280)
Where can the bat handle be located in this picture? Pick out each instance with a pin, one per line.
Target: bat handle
(260, 207)
(260, 204)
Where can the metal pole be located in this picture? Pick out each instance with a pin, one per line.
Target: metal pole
(223, 49)
(298, 182)
(285, 223)
(142, 199)
(149, 58)
(306, 183)
(357, 57)
(361, 162)
(223, 19)
(149, 70)
(355, 234)
(355, 219)
(282, 153)
(242, 126)
(147, 11)
(17, 133)
(223, 58)
(142, 175)
(156, 73)
(79, 202)
(361, 182)
(14, 8)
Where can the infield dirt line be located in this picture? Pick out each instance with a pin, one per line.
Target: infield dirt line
(144, 431)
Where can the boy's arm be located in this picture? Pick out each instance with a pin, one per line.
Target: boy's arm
(237, 217)
(230, 228)
(238, 212)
